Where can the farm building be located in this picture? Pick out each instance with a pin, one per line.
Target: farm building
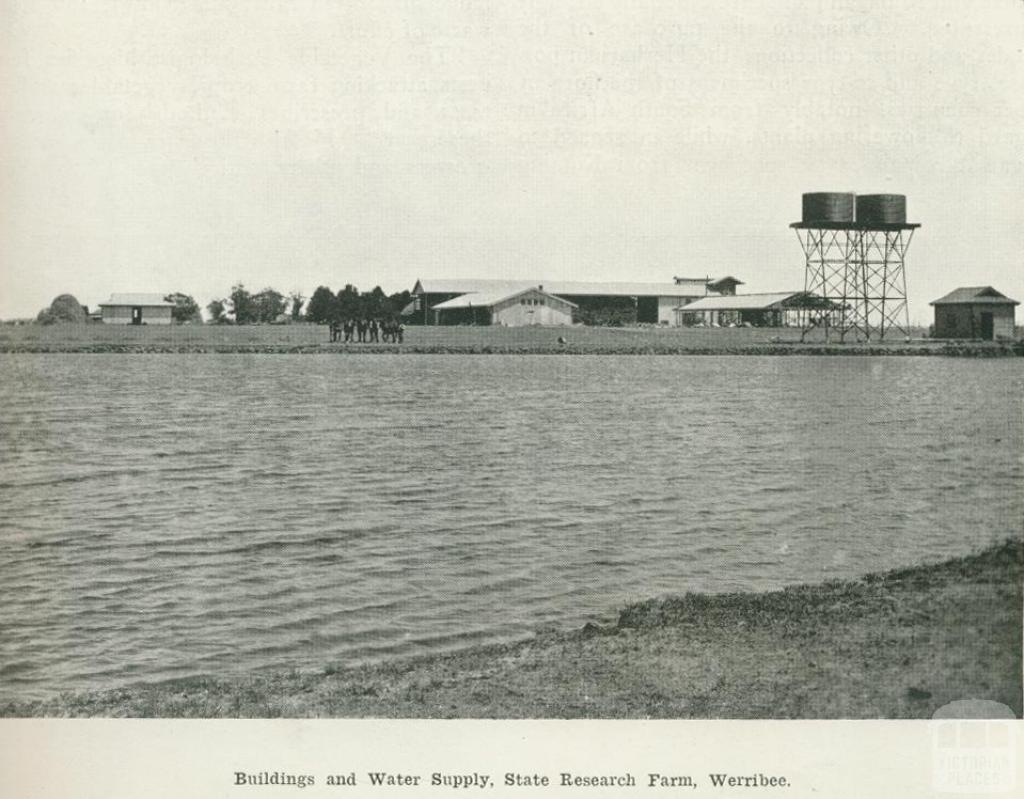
(531, 306)
(136, 309)
(974, 312)
(759, 310)
(592, 303)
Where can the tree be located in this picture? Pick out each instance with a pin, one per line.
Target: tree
(64, 308)
(349, 303)
(268, 305)
(297, 300)
(399, 301)
(242, 306)
(376, 303)
(185, 308)
(322, 306)
(217, 310)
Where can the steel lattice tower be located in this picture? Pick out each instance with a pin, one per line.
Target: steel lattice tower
(859, 266)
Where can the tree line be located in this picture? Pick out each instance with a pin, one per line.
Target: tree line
(242, 307)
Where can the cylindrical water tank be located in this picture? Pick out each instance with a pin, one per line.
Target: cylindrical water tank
(828, 206)
(885, 209)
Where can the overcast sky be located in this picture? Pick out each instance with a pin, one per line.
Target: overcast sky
(177, 145)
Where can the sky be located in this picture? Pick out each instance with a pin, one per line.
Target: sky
(184, 145)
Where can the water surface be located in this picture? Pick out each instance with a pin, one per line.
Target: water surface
(203, 514)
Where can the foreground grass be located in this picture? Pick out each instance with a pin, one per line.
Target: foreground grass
(307, 338)
(893, 645)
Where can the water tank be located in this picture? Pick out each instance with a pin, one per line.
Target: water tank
(886, 209)
(828, 206)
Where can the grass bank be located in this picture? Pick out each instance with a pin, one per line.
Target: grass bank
(893, 645)
(307, 339)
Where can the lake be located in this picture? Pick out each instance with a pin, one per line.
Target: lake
(175, 515)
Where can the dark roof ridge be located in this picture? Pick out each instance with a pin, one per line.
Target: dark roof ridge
(966, 295)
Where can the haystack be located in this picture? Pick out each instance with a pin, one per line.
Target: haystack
(64, 308)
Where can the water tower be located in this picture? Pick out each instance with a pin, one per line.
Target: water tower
(855, 248)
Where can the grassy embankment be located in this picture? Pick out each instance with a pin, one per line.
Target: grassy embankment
(305, 338)
(893, 645)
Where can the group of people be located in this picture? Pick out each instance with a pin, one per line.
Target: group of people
(367, 330)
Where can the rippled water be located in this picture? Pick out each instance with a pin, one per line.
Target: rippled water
(177, 515)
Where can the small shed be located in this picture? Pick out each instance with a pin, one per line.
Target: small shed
(974, 312)
(137, 309)
(532, 306)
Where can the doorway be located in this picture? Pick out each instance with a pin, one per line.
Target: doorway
(137, 315)
(986, 325)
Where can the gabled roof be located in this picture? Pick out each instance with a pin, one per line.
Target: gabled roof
(728, 279)
(148, 300)
(562, 287)
(709, 281)
(486, 299)
(974, 295)
(757, 302)
(464, 286)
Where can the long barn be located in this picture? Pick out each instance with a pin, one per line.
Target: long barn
(532, 306)
(592, 302)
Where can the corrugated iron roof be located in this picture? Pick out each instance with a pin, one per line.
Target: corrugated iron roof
(975, 295)
(743, 302)
(709, 281)
(561, 287)
(485, 299)
(138, 299)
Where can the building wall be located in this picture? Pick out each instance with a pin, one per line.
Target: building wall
(603, 310)
(964, 321)
(592, 309)
(532, 309)
(667, 306)
(478, 315)
(122, 314)
(1004, 323)
(708, 318)
(425, 316)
